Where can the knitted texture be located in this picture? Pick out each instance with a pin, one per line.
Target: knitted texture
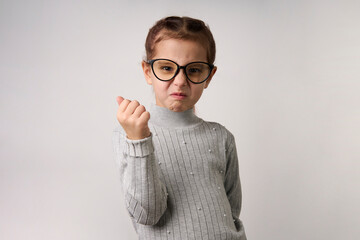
(183, 181)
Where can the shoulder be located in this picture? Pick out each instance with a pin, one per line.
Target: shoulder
(221, 131)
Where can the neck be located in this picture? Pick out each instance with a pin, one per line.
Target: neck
(164, 117)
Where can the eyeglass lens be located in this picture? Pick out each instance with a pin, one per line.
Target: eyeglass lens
(165, 70)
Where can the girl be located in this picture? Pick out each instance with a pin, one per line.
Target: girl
(179, 173)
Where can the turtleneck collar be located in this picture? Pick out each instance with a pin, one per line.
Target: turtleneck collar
(164, 117)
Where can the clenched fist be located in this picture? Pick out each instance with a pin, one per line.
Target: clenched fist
(134, 118)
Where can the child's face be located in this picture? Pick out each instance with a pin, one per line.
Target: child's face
(178, 94)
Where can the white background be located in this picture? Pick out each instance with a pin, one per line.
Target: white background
(287, 87)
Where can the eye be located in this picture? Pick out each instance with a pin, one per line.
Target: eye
(166, 68)
(197, 68)
(194, 70)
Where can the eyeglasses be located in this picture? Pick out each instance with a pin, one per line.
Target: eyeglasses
(166, 70)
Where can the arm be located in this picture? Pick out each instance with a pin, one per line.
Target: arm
(145, 194)
(232, 181)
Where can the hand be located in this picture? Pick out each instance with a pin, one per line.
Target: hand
(134, 118)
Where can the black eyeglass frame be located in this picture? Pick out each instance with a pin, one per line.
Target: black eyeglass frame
(151, 62)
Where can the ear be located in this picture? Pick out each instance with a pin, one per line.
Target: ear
(147, 72)
(210, 77)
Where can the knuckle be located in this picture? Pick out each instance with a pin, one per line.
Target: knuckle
(137, 124)
(140, 123)
(141, 108)
(135, 103)
(123, 105)
(126, 101)
(129, 120)
(147, 114)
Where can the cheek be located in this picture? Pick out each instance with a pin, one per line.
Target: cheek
(160, 88)
(198, 91)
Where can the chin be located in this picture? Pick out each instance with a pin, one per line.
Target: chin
(178, 107)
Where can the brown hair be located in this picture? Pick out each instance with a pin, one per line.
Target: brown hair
(184, 28)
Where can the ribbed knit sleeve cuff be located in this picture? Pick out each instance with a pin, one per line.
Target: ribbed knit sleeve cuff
(139, 148)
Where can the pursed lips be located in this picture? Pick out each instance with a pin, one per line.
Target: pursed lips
(178, 95)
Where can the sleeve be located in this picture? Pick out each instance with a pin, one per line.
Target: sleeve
(145, 194)
(232, 182)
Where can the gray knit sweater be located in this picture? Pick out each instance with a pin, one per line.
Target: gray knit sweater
(183, 181)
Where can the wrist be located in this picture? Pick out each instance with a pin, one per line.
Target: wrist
(138, 137)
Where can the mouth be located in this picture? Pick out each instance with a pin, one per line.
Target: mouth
(178, 95)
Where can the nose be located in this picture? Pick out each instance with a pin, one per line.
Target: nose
(180, 78)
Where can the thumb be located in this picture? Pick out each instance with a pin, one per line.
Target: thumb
(119, 99)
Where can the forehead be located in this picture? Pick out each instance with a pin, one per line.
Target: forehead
(180, 51)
